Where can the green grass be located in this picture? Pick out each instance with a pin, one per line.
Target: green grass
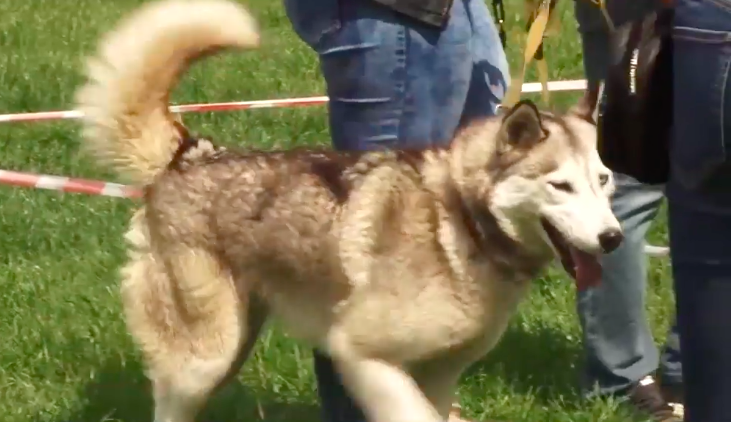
(64, 352)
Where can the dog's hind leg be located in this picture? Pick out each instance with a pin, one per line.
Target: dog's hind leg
(174, 402)
(256, 317)
(384, 391)
(194, 329)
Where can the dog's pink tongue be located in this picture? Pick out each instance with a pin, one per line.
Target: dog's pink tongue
(588, 269)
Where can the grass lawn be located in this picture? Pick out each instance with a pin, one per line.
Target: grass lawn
(64, 352)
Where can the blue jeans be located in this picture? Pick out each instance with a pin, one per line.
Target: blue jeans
(699, 204)
(619, 346)
(618, 343)
(394, 82)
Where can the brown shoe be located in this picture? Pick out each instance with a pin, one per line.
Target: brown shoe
(675, 396)
(455, 415)
(457, 418)
(646, 396)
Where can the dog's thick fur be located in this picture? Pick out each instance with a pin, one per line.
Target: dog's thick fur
(403, 266)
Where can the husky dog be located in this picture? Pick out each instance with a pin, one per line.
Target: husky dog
(403, 266)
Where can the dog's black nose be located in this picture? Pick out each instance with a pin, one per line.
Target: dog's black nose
(610, 240)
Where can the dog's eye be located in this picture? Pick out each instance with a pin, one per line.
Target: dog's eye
(562, 186)
(603, 179)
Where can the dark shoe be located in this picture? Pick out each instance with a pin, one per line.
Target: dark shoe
(646, 396)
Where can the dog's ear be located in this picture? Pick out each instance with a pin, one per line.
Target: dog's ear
(521, 127)
(183, 132)
(588, 106)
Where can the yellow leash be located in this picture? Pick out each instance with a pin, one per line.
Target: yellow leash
(534, 41)
(542, 68)
(541, 18)
(603, 7)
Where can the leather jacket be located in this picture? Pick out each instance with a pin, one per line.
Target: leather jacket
(431, 12)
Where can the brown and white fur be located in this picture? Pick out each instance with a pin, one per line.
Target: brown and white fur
(403, 266)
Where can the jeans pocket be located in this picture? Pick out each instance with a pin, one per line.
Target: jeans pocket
(702, 137)
(313, 19)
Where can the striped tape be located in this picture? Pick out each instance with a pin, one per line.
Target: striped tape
(67, 184)
(575, 85)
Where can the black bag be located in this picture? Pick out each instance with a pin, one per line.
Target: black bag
(636, 109)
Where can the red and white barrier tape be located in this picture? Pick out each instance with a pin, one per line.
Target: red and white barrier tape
(186, 108)
(67, 184)
(576, 85)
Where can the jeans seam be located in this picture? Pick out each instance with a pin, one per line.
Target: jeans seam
(700, 39)
(683, 33)
(721, 4)
(402, 53)
(722, 105)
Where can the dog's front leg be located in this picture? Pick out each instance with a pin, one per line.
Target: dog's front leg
(438, 382)
(385, 392)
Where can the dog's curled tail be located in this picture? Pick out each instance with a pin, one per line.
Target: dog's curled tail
(126, 120)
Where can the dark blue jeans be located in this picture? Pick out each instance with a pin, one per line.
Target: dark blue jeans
(394, 82)
(699, 204)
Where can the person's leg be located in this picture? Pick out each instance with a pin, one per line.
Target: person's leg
(490, 73)
(392, 82)
(620, 350)
(699, 204)
(594, 40)
(700, 244)
(671, 368)
(594, 29)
